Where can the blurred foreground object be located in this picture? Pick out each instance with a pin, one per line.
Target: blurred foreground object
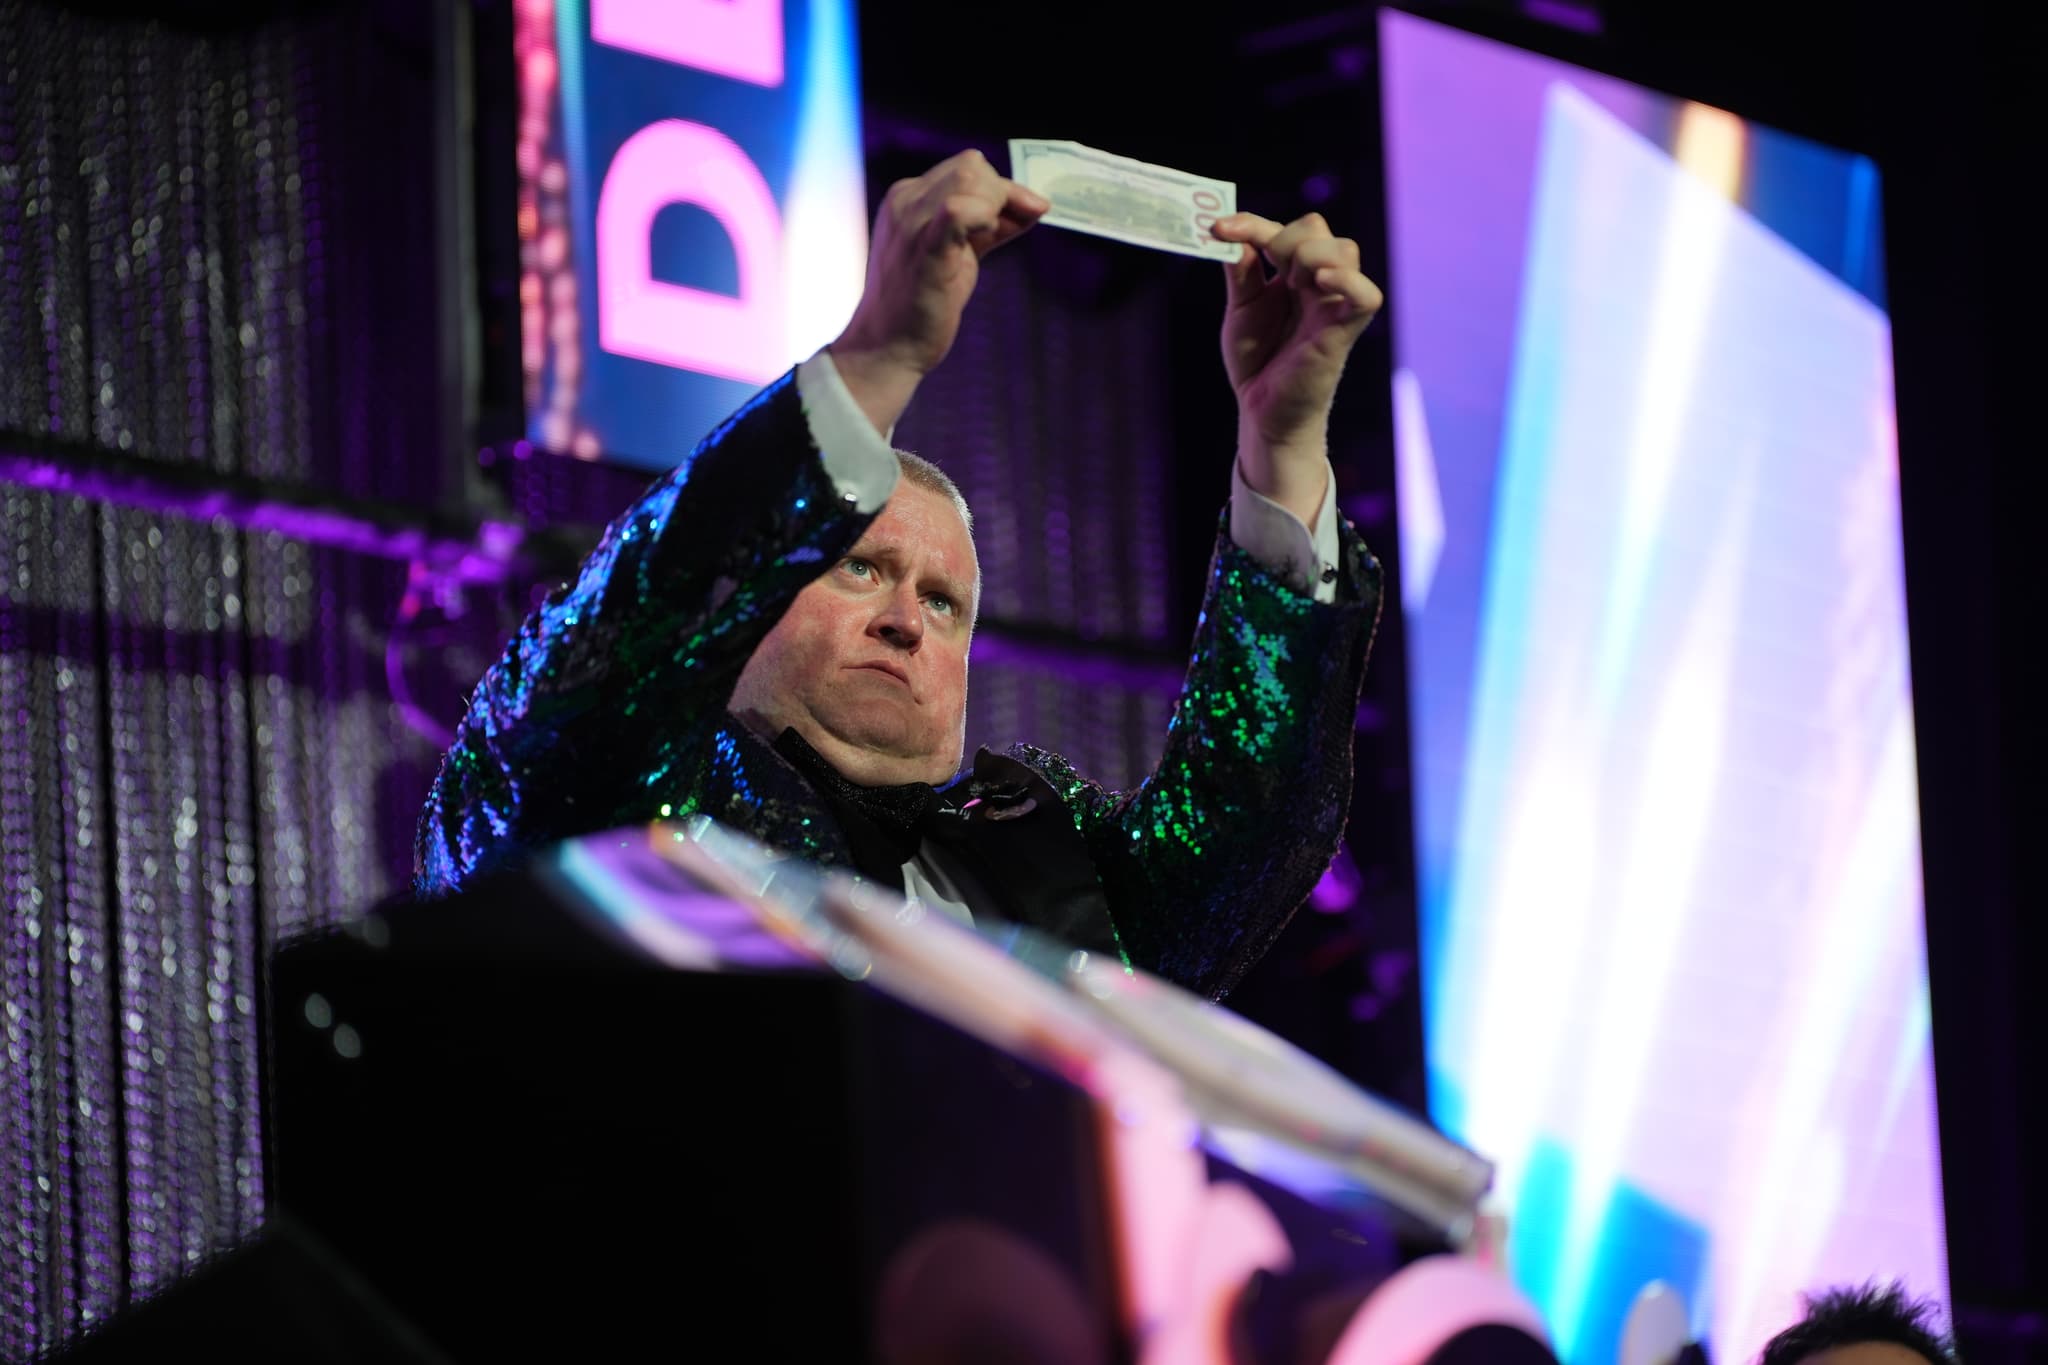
(665, 1088)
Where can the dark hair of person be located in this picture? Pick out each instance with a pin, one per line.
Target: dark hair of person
(1849, 1317)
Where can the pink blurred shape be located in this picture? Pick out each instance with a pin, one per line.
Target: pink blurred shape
(965, 1290)
(1427, 1303)
(737, 38)
(1233, 1235)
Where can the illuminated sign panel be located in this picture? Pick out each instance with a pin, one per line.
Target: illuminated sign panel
(692, 217)
(1667, 824)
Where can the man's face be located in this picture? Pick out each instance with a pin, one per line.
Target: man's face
(870, 663)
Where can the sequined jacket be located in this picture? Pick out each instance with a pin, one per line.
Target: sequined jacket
(608, 708)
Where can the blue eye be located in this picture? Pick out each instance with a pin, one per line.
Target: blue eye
(942, 602)
(859, 568)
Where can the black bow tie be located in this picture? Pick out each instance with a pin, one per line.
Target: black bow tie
(883, 825)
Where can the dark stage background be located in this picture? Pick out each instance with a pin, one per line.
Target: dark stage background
(241, 487)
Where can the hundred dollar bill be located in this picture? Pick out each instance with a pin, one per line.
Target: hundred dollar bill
(1130, 201)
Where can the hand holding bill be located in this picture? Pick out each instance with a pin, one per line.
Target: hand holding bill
(929, 238)
(1286, 337)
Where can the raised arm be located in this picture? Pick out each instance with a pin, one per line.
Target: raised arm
(1286, 337)
(930, 236)
(1207, 860)
(621, 670)
(645, 644)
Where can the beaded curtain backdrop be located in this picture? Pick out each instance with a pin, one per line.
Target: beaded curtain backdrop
(219, 272)
(197, 753)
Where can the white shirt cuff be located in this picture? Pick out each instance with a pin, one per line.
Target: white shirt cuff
(1305, 558)
(862, 464)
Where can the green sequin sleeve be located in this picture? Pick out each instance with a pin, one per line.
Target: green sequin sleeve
(1207, 860)
(630, 666)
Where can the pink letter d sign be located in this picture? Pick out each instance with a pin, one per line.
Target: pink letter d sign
(675, 162)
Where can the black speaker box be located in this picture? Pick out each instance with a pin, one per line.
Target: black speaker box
(536, 1144)
(284, 1296)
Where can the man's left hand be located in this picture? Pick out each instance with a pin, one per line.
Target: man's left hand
(1285, 340)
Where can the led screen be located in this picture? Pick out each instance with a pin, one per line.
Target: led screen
(692, 215)
(1666, 813)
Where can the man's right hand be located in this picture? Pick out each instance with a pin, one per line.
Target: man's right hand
(929, 239)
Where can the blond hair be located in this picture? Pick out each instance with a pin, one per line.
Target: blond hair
(928, 476)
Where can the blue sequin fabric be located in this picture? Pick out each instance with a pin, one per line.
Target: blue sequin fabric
(608, 708)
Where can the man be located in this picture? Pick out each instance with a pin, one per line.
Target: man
(777, 635)
(1867, 1326)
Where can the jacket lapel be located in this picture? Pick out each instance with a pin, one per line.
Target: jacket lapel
(1030, 857)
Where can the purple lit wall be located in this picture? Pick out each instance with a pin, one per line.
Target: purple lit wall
(197, 755)
(1667, 818)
